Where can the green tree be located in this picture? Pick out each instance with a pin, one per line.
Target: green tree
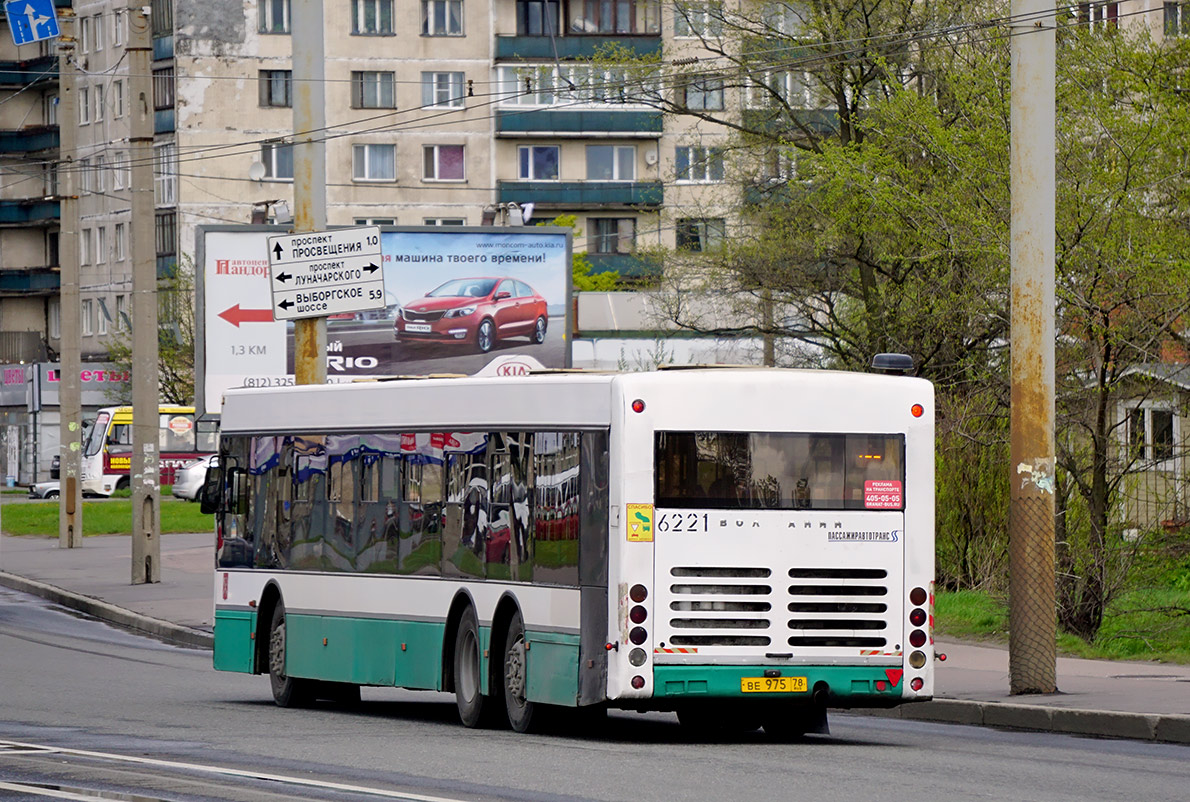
(582, 277)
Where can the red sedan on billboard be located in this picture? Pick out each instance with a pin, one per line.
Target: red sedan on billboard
(475, 311)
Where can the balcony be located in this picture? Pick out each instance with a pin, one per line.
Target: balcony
(821, 122)
(163, 121)
(43, 69)
(628, 265)
(28, 210)
(30, 280)
(29, 140)
(580, 194)
(163, 47)
(549, 122)
(536, 48)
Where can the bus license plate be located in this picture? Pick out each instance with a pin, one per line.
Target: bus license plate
(421, 328)
(773, 685)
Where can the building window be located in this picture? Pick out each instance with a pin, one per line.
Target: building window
(701, 94)
(1099, 16)
(374, 162)
(123, 322)
(273, 16)
(372, 90)
(85, 246)
(98, 95)
(537, 18)
(120, 235)
(700, 234)
(612, 235)
(445, 221)
(1150, 433)
(165, 174)
(619, 17)
(277, 158)
(55, 322)
(84, 105)
(100, 173)
(698, 19)
(102, 318)
(51, 249)
(118, 98)
(163, 88)
(85, 34)
(538, 162)
(119, 161)
(1177, 19)
(276, 88)
(372, 17)
(441, 17)
(100, 245)
(442, 89)
(50, 107)
(375, 221)
(84, 175)
(443, 163)
(97, 29)
(611, 162)
(166, 234)
(161, 12)
(696, 164)
(119, 20)
(86, 312)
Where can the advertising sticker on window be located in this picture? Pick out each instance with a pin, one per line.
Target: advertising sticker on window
(882, 494)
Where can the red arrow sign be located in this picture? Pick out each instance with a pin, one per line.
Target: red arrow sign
(235, 316)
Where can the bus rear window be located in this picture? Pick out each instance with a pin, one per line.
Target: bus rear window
(733, 470)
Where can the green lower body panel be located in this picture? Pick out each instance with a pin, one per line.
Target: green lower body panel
(552, 668)
(846, 686)
(365, 651)
(234, 646)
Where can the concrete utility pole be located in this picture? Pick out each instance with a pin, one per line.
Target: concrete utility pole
(1032, 655)
(309, 168)
(145, 467)
(70, 402)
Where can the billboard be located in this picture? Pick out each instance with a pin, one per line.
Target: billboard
(455, 299)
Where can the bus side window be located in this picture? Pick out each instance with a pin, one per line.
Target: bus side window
(121, 434)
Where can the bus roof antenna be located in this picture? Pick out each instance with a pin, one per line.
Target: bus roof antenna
(892, 363)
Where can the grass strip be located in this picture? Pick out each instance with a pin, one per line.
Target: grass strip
(111, 517)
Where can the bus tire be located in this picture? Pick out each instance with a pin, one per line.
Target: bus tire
(514, 671)
(287, 691)
(123, 483)
(467, 667)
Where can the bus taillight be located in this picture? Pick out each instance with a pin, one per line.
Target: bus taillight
(638, 593)
(916, 683)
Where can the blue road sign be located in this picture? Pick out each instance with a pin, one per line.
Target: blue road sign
(31, 20)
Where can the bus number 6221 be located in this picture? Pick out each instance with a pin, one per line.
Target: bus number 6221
(682, 522)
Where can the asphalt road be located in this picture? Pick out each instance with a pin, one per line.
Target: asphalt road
(90, 712)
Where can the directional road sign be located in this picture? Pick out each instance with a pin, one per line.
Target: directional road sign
(326, 272)
(31, 20)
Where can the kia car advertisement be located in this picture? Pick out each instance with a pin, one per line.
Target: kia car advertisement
(455, 299)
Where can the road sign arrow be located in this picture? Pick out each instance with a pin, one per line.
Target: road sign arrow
(371, 268)
(277, 250)
(235, 316)
(285, 304)
(283, 277)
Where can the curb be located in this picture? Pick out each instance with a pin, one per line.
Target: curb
(163, 630)
(1174, 729)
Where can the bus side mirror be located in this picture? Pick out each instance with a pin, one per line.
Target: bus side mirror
(209, 494)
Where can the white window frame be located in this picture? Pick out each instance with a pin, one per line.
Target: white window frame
(704, 227)
(604, 87)
(700, 164)
(100, 317)
(84, 104)
(445, 12)
(101, 245)
(373, 89)
(444, 221)
(1146, 456)
(119, 165)
(118, 22)
(437, 162)
(375, 221)
(362, 157)
(87, 316)
(97, 29)
(359, 18)
(118, 99)
(98, 96)
(268, 157)
(529, 174)
(120, 242)
(443, 90)
(266, 21)
(165, 173)
(85, 246)
(100, 173)
(695, 20)
(50, 103)
(617, 152)
(55, 321)
(84, 176)
(85, 34)
(121, 312)
(708, 89)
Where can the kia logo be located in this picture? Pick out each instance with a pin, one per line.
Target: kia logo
(513, 369)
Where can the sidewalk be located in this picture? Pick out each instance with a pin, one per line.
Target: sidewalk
(1114, 699)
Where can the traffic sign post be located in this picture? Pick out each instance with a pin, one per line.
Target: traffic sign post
(31, 20)
(326, 273)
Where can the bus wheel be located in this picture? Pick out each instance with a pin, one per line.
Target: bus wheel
(287, 691)
(520, 710)
(467, 671)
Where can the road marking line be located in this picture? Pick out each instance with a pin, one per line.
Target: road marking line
(225, 771)
(38, 790)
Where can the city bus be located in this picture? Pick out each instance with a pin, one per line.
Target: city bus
(746, 547)
(107, 448)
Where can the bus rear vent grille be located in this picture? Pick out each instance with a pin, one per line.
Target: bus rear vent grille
(721, 604)
(838, 607)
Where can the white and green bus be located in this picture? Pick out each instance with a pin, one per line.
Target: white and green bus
(738, 545)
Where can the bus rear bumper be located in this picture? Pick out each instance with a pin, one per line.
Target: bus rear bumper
(839, 686)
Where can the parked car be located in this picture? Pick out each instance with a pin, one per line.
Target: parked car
(45, 490)
(190, 477)
(56, 467)
(476, 311)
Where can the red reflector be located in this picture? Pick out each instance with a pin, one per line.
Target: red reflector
(638, 406)
(917, 616)
(917, 638)
(638, 593)
(880, 685)
(917, 410)
(638, 614)
(918, 596)
(638, 682)
(894, 675)
(916, 683)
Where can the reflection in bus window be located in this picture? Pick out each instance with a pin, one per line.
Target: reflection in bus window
(726, 470)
